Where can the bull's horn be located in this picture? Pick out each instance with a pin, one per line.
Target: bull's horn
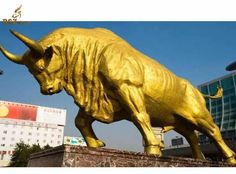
(33, 45)
(12, 57)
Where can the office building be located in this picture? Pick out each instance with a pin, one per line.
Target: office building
(223, 109)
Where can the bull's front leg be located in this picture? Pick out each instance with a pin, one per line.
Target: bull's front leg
(132, 98)
(84, 123)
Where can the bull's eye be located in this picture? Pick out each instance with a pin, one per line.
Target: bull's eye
(41, 68)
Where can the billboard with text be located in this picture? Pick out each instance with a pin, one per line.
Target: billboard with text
(78, 141)
(51, 115)
(42, 114)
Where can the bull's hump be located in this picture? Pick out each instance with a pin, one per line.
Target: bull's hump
(86, 32)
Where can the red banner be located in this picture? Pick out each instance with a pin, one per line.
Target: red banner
(18, 111)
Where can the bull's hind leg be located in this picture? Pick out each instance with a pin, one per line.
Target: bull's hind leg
(192, 139)
(212, 131)
(84, 123)
(133, 99)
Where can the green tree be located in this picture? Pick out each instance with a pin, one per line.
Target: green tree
(47, 147)
(22, 154)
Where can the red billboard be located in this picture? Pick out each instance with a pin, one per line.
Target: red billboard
(18, 111)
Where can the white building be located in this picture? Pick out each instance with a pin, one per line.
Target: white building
(31, 124)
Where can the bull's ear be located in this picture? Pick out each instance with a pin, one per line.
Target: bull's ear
(48, 53)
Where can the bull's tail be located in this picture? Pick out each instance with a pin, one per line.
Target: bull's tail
(218, 94)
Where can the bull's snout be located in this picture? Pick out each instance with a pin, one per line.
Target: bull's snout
(51, 89)
(47, 89)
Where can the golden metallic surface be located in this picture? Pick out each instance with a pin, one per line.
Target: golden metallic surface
(12, 57)
(111, 81)
(33, 45)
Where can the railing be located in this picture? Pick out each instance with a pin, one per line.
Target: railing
(179, 146)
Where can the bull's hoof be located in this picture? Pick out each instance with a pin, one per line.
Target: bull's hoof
(96, 143)
(231, 160)
(153, 150)
(101, 143)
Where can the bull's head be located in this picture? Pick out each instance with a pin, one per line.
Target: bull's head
(42, 63)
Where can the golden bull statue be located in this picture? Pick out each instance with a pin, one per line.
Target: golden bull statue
(111, 81)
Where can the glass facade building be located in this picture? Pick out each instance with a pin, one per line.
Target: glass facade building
(223, 110)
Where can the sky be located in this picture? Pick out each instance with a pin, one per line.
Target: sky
(196, 51)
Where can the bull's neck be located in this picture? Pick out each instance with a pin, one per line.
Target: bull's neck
(80, 66)
(69, 62)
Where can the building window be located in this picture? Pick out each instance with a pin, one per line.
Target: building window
(58, 142)
(219, 109)
(5, 132)
(3, 138)
(233, 105)
(37, 141)
(45, 135)
(226, 100)
(232, 124)
(52, 135)
(59, 136)
(29, 139)
(219, 102)
(51, 141)
(227, 83)
(213, 87)
(2, 145)
(13, 132)
(226, 107)
(30, 133)
(44, 141)
(2, 156)
(12, 139)
(204, 89)
(225, 126)
(233, 117)
(21, 133)
(226, 118)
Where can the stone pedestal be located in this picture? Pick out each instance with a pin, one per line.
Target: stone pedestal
(77, 156)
